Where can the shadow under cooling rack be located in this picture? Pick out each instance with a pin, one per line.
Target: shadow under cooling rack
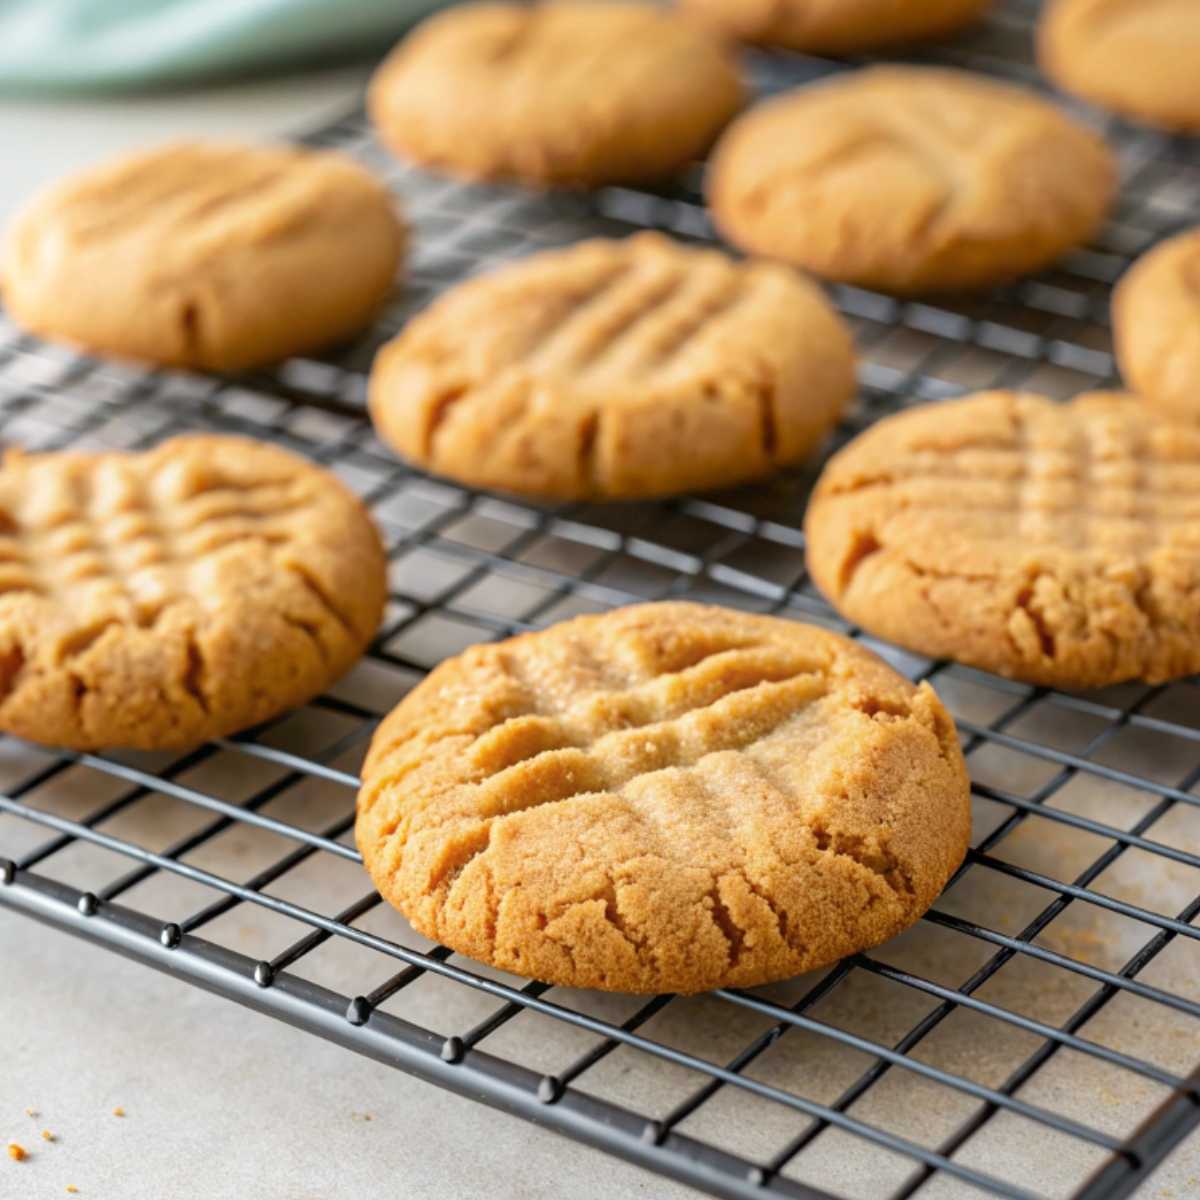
(1037, 1034)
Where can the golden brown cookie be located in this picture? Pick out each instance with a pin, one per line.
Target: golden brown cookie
(157, 599)
(665, 798)
(1156, 325)
(1139, 58)
(835, 26)
(910, 179)
(1055, 543)
(616, 369)
(207, 255)
(570, 94)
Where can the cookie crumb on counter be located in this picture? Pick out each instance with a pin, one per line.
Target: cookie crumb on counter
(47, 1136)
(31, 1112)
(17, 1153)
(72, 1189)
(118, 1111)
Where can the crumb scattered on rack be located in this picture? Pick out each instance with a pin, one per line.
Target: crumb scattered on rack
(17, 1153)
(118, 1111)
(47, 1136)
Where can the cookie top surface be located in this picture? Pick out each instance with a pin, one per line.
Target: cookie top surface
(208, 255)
(160, 598)
(670, 797)
(556, 94)
(1156, 325)
(835, 26)
(1058, 544)
(566, 374)
(1135, 57)
(910, 179)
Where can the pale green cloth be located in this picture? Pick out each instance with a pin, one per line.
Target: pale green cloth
(107, 45)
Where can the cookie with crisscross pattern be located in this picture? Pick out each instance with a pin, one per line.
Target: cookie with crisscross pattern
(1059, 544)
(616, 369)
(156, 599)
(670, 797)
(910, 179)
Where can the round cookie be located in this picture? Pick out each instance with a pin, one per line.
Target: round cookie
(664, 798)
(1054, 543)
(1139, 58)
(206, 255)
(158, 599)
(556, 95)
(616, 369)
(835, 26)
(1156, 325)
(910, 179)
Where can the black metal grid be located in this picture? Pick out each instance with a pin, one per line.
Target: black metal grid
(1060, 972)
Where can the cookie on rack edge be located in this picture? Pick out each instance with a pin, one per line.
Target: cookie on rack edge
(1058, 544)
(564, 94)
(161, 598)
(666, 798)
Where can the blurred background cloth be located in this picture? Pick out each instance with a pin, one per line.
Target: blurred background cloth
(120, 45)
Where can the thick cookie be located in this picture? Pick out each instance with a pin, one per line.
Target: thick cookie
(558, 95)
(1156, 325)
(835, 26)
(1058, 544)
(206, 255)
(157, 599)
(616, 369)
(666, 798)
(910, 179)
(1139, 58)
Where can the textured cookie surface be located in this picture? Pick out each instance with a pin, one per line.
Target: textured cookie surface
(910, 179)
(1058, 544)
(206, 255)
(157, 599)
(1135, 57)
(1156, 325)
(616, 369)
(558, 94)
(670, 797)
(835, 26)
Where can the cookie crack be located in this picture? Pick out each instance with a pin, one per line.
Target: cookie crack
(1045, 634)
(864, 545)
(881, 862)
(320, 594)
(12, 666)
(729, 929)
(195, 674)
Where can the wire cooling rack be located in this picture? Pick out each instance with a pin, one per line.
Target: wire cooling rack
(1038, 1034)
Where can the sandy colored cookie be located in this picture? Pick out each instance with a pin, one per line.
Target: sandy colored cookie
(616, 369)
(1156, 325)
(665, 798)
(207, 255)
(570, 94)
(1055, 543)
(1139, 58)
(835, 26)
(161, 598)
(910, 179)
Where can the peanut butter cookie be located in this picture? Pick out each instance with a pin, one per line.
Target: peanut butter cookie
(665, 798)
(1139, 58)
(557, 95)
(1156, 325)
(157, 599)
(835, 26)
(616, 369)
(910, 179)
(1058, 544)
(205, 255)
